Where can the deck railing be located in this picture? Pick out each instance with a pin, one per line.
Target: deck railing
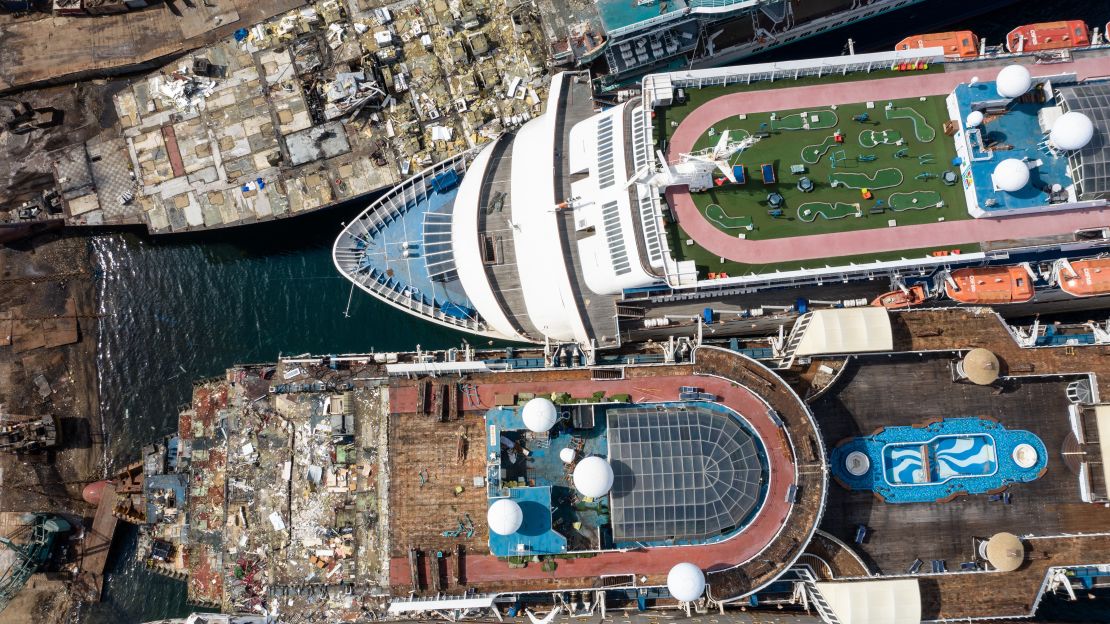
(347, 254)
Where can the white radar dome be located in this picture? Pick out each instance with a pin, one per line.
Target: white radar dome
(1011, 175)
(1013, 81)
(686, 582)
(539, 415)
(1072, 131)
(504, 516)
(974, 119)
(567, 455)
(593, 477)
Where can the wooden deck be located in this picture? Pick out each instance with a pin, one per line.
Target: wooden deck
(965, 328)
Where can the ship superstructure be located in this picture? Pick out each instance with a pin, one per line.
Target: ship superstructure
(699, 199)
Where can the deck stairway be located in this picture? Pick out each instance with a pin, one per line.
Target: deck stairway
(796, 334)
(809, 581)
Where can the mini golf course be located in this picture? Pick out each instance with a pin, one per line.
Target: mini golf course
(811, 154)
(717, 215)
(806, 120)
(886, 177)
(743, 209)
(872, 138)
(914, 200)
(921, 128)
(809, 211)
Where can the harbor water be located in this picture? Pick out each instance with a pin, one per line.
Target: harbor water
(182, 308)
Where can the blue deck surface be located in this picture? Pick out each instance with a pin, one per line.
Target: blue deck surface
(384, 255)
(542, 468)
(535, 535)
(1018, 127)
(620, 13)
(926, 464)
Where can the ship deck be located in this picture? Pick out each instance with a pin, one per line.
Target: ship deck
(421, 462)
(849, 238)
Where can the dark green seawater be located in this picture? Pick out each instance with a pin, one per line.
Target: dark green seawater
(179, 309)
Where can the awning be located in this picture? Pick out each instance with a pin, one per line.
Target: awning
(441, 604)
(895, 601)
(846, 330)
(436, 368)
(1102, 421)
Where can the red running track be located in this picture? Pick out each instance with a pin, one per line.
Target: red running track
(656, 561)
(877, 240)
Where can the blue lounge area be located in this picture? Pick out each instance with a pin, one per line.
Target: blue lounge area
(939, 461)
(535, 535)
(1016, 134)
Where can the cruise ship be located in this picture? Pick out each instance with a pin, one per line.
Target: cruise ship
(716, 197)
(908, 465)
(624, 39)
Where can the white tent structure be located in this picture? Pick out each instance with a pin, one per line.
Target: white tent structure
(1071, 131)
(686, 582)
(504, 516)
(1010, 175)
(539, 415)
(1013, 81)
(845, 330)
(593, 477)
(894, 601)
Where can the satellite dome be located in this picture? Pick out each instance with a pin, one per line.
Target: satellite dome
(974, 119)
(593, 477)
(1013, 81)
(686, 582)
(504, 516)
(1072, 131)
(539, 415)
(1011, 175)
(567, 455)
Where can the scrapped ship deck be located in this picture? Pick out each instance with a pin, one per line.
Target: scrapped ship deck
(433, 490)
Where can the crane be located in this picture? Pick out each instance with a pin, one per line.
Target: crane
(45, 529)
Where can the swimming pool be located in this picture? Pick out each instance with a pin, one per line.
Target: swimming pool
(939, 461)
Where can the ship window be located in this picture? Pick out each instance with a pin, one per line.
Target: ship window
(618, 254)
(606, 175)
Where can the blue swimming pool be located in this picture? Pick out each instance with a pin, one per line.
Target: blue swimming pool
(940, 460)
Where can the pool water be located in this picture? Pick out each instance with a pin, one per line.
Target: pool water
(939, 461)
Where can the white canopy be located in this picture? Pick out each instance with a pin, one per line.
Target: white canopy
(686, 582)
(1072, 131)
(846, 330)
(539, 415)
(1011, 175)
(593, 477)
(504, 516)
(1013, 81)
(895, 601)
(1102, 423)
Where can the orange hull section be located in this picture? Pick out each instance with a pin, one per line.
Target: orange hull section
(1091, 278)
(1048, 36)
(991, 285)
(899, 299)
(957, 44)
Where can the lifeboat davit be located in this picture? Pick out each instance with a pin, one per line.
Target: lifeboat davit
(990, 285)
(901, 298)
(1085, 278)
(956, 44)
(1048, 36)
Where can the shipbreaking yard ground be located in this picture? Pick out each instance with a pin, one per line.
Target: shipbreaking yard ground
(711, 244)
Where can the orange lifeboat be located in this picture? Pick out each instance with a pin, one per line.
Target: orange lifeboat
(990, 285)
(1048, 36)
(1086, 278)
(900, 298)
(956, 44)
